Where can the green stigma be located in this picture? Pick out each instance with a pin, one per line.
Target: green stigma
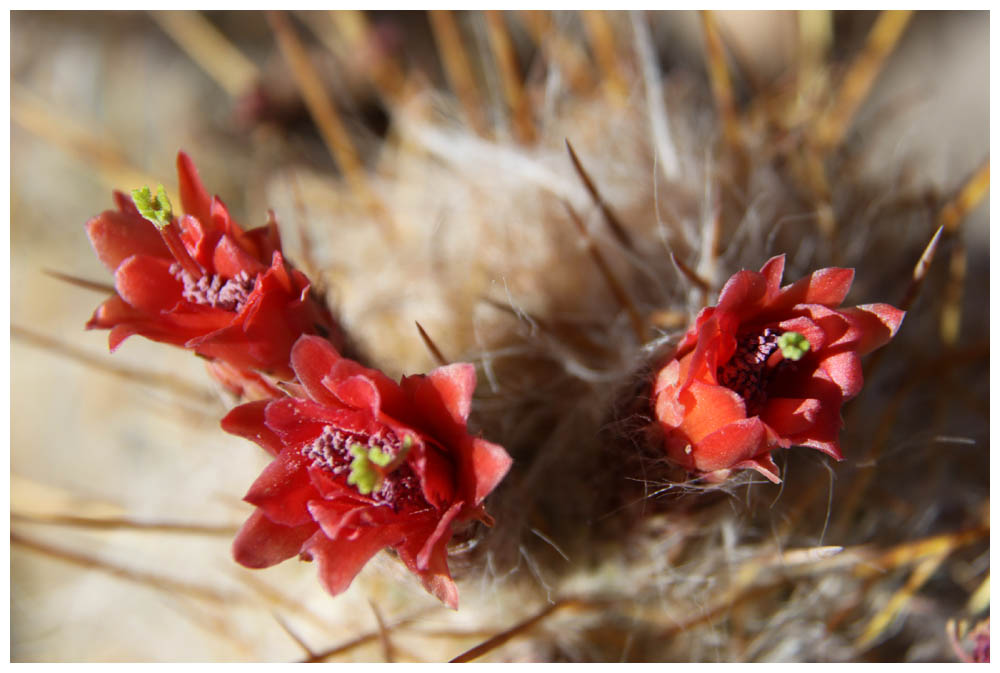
(156, 209)
(363, 475)
(793, 345)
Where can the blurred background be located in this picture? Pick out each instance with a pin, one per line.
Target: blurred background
(124, 492)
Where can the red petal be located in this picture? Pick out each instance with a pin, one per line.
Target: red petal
(117, 236)
(691, 336)
(223, 222)
(125, 204)
(261, 543)
(772, 272)
(734, 443)
(194, 198)
(358, 392)
(247, 421)
(763, 464)
(434, 575)
(229, 259)
(146, 283)
(437, 475)
(789, 417)
(667, 377)
(440, 536)
(830, 447)
(312, 359)
(455, 384)
(742, 294)
(489, 465)
(823, 286)
(333, 517)
(813, 333)
(871, 326)
(341, 560)
(198, 241)
(283, 489)
(301, 421)
(386, 397)
(112, 312)
(844, 369)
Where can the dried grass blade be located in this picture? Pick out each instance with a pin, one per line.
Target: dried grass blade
(878, 624)
(286, 627)
(180, 387)
(510, 76)
(158, 582)
(858, 81)
(363, 639)
(81, 282)
(614, 223)
(614, 285)
(93, 149)
(119, 523)
(210, 49)
(653, 82)
(602, 43)
(514, 631)
(323, 112)
(431, 346)
(457, 68)
(690, 274)
(386, 74)
(718, 74)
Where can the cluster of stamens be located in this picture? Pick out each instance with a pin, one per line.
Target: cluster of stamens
(746, 372)
(214, 290)
(331, 451)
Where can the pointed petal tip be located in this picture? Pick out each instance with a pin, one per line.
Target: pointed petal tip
(490, 464)
(455, 383)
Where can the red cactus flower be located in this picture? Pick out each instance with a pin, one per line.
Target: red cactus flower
(203, 283)
(768, 367)
(363, 464)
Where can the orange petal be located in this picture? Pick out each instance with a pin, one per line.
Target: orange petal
(709, 408)
(729, 445)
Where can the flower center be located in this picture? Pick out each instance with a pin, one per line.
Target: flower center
(747, 372)
(337, 451)
(214, 290)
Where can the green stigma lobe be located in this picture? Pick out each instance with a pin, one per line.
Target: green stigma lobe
(156, 209)
(377, 456)
(793, 345)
